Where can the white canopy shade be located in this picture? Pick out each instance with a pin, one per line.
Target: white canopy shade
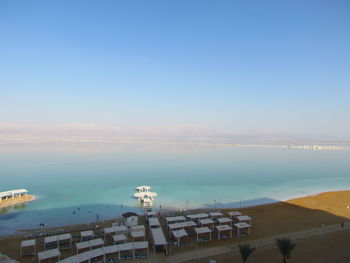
(125, 247)
(137, 234)
(172, 219)
(28, 243)
(244, 218)
(50, 239)
(158, 236)
(73, 259)
(224, 228)
(62, 237)
(242, 225)
(198, 216)
(234, 213)
(82, 245)
(96, 253)
(206, 221)
(52, 253)
(182, 225)
(115, 229)
(12, 193)
(88, 233)
(88, 255)
(203, 230)
(83, 256)
(89, 244)
(57, 238)
(141, 245)
(223, 220)
(96, 242)
(137, 228)
(111, 249)
(178, 234)
(119, 238)
(215, 214)
(153, 221)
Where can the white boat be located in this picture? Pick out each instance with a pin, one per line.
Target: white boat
(144, 195)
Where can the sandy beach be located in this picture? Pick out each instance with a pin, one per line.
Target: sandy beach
(17, 200)
(268, 220)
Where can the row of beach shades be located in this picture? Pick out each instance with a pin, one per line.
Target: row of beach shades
(87, 239)
(133, 250)
(156, 230)
(120, 232)
(178, 224)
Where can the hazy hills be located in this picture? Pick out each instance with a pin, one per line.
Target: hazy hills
(24, 132)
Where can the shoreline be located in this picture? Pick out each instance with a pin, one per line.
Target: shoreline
(301, 201)
(318, 211)
(238, 205)
(312, 145)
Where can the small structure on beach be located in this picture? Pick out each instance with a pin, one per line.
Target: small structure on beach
(201, 231)
(49, 255)
(120, 238)
(159, 240)
(28, 247)
(178, 234)
(15, 197)
(224, 220)
(87, 235)
(223, 228)
(206, 221)
(12, 194)
(244, 218)
(114, 230)
(91, 244)
(62, 242)
(241, 226)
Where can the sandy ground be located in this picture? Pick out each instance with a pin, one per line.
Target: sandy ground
(330, 248)
(268, 220)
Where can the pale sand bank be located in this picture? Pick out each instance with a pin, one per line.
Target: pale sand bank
(17, 200)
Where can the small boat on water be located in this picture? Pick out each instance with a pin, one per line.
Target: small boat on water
(145, 196)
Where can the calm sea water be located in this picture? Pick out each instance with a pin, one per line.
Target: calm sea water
(74, 182)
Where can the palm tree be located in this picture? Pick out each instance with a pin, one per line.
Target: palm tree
(245, 250)
(285, 246)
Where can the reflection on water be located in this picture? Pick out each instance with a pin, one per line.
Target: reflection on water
(12, 209)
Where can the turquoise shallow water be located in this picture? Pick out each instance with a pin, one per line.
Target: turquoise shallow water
(99, 178)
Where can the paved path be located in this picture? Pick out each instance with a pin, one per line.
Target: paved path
(215, 251)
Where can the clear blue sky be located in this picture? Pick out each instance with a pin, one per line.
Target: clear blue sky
(247, 66)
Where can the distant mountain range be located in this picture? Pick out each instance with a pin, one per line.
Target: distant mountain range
(22, 132)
